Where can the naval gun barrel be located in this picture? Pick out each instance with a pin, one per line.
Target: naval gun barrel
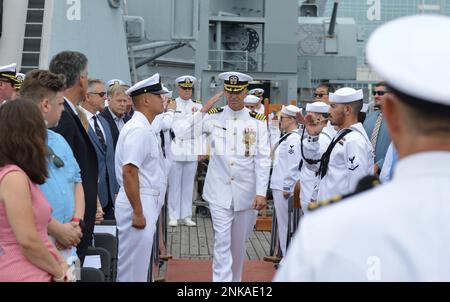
(333, 18)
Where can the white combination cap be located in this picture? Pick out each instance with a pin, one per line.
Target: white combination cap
(346, 95)
(413, 63)
(116, 82)
(251, 99)
(318, 107)
(290, 110)
(259, 92)
(151, 85)
(186, 81)
(235, 81)
(9, 72)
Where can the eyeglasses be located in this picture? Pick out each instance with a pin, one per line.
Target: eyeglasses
(100, 94)
(320, 95)
(57, 161)
(380, 93)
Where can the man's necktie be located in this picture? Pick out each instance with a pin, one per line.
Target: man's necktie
(99, 133)
(376, 130)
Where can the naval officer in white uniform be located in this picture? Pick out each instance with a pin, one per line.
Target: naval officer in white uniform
(140, 169)
(349, 156)
(397, 231)
(184, 158)
(285, 172)
(238, 172)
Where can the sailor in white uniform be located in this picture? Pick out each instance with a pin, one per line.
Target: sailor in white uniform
(184, 158)
(238, 172)
(140, 170)
(285, 172)
(163, 124)
(397, 231)
(349, 156)
(308, 179)
(259, 106)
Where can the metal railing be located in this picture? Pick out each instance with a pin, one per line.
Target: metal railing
(235, 59)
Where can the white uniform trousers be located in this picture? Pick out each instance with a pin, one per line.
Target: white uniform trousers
(181, 189)
(135, 246)
(281, 209)
(231, 230)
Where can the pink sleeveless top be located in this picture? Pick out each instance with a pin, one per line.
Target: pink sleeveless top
(14, 267)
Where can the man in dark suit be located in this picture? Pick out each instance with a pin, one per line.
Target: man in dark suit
(73, 65)
(100, 135)
(115, 113)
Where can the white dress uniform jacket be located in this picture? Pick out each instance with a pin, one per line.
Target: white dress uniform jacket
(286, 158)
(351, 159)
(285, 174)
(186, 150)
(233, 179)
(138, 145)
(308, 179)
(395, 232)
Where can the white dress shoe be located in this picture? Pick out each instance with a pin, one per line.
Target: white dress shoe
(173, 223)
(188, 222)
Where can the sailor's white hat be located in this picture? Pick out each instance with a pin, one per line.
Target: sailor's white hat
(251, 99)
(318, 107)
(290, 110)
(346, 95)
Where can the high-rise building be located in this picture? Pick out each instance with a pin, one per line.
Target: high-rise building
(369, 14)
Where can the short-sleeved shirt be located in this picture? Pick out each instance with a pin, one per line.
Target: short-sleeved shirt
(59, 187)
(138, 145)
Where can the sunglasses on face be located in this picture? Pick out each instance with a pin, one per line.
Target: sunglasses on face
(100, 94)
(320, 95)
(380, 93)
(57, 161)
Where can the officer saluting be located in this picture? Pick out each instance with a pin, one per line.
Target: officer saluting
(140, 171)
(397, 231)
(238, 171)
(349, 156)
